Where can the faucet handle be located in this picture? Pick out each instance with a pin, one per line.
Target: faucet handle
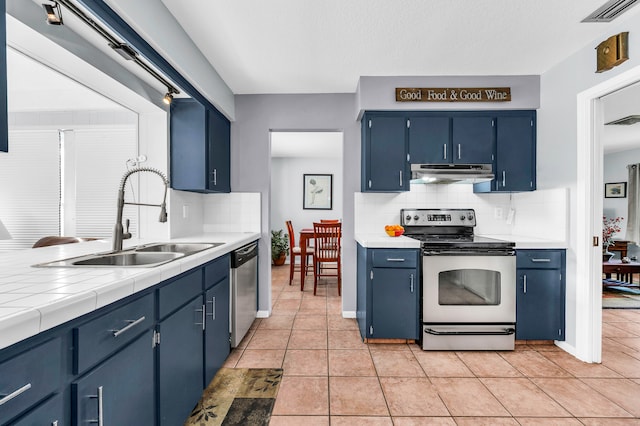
(126, 234)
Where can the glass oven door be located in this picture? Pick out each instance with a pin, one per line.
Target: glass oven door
(469, 289)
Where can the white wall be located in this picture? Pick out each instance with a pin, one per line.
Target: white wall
(286, 191)
(557, 137)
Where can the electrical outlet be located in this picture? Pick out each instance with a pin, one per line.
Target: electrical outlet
(497, 213)
(185, 211)
(510, 216)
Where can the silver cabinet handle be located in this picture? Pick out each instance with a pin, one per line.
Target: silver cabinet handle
(204, 313)
(394, 259)
(411, 283)
(444, 147)
(400, 177)
(132, 323)
(54, 423)
(504, 178)
(459, 152)
(15, 393)
(524, 277)
(100, 419)
(213, 307)
(215, 176)
(540, 260)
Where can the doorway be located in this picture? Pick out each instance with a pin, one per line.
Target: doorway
(296, 157)
(590, 124)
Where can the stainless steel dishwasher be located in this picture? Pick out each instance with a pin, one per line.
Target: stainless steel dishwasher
(244, 291)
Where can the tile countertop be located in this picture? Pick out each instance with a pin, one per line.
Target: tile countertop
(35, 299)
(382, 240)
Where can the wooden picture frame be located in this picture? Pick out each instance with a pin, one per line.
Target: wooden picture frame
(317, 192)
(615, 190)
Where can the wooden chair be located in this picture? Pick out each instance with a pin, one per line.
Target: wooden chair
(295, 251)
(55, 240)
(327, 238)
(329, 220)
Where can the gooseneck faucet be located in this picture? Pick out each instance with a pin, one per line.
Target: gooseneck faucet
(118, 232)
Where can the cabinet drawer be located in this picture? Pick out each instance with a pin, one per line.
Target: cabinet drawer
(102, 336)
(215, 271)
(50, 413)
(394, 258)
(179, 292)
(28, 378)
(539, 259)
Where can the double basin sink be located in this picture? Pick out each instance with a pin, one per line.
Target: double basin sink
(146, 255)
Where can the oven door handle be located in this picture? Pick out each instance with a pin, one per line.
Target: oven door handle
(504, 332)
(469, 252)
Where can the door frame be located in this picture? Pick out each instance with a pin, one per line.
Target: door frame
(589, 193)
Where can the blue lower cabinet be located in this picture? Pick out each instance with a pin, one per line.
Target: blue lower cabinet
(388, 297)
(29, 378)
(540, 295)
(216, 333)
(49, 413)
(180, 363)
(120, 390)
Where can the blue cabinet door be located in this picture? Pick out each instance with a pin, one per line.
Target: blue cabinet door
(385, 151)
(472, 140)
(429, 140)
(394, 312)
(4, 126)
(216, 334)
(219, 137)
(180, 363)
(199, 147)
(515, 153)
(120, 390)
(188, 148)
(538, 308)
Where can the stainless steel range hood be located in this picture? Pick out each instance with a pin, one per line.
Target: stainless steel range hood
(451, 173)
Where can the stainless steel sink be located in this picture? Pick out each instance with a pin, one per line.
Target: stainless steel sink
(185, 248)
(128, 259)
(146, 255)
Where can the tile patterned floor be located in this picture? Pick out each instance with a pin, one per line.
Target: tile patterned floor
(332, 378)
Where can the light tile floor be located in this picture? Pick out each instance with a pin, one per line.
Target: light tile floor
(332, 378)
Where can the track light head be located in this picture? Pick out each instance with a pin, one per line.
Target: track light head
(54, 14)
(167, 98)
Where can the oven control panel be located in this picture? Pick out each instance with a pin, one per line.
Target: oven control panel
(438, 217)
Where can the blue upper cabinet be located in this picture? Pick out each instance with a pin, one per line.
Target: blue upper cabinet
(200, 148)
(515, 160)
(430, 140)
(472, 140)
(4, 128)
(385, 164)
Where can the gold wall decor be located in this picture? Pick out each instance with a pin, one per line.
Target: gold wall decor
(613, 51)
(453, 94)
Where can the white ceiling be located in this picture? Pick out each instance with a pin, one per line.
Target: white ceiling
(304, 46)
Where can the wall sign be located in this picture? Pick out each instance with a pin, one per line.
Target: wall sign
(453, 94)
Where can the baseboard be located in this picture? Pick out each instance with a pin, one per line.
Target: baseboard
(263, 314)
(349, 314)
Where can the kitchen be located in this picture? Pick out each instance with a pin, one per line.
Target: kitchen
(255, 115)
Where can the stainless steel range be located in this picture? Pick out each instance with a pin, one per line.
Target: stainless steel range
(468, 282)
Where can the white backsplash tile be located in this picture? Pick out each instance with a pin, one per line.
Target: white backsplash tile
(542, 213)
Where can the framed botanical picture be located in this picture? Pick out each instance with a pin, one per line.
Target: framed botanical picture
(317, 192)
(615, 190)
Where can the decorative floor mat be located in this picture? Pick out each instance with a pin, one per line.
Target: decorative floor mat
(238, 396)
(619, 297)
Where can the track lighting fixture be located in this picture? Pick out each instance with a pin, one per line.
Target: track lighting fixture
(54, 13)
(122, 48)
(168, 97)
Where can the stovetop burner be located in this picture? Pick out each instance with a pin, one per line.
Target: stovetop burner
(447, 228)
